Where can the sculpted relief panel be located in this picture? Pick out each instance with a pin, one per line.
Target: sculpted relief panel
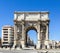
(19, 31)
(28, 24)
(28, 16)
(31, 17)
(43, 32)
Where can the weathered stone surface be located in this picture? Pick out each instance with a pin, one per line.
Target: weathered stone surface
(25, 21)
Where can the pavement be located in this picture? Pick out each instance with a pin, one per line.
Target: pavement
(31, 51)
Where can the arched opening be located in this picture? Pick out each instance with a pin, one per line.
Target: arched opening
(31, 36)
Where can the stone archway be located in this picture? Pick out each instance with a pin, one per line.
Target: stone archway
(23, 21)
(28, 38)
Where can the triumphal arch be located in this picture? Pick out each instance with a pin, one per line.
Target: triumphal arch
(25, 21)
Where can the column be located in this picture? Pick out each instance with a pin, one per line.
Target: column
(38, 43)
(15, 35)
(23, 36)
(47, 32)
(47, 36)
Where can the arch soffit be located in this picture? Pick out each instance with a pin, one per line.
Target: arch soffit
(30, 28)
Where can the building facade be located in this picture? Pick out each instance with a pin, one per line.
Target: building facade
(25, 21)
(7, 36)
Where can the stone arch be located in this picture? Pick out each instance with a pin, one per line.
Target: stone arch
(28, 29)
(31, 20)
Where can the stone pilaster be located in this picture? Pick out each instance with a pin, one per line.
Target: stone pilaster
(47, 32)
(23, 35)
(15, 35)
(47, 36)
(38, 42)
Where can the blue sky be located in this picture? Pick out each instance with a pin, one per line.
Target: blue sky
(7, 8)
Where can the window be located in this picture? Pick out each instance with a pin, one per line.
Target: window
(5, 42)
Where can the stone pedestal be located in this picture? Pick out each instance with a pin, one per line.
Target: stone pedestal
(23, 44)
(38, 45)
(47, 44)
(14, 44)
(12, 48)
(18, 48)
(8, 48)
(4, 48)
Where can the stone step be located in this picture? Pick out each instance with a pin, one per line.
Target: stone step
(30, 51)
(29, 48)
(18, 51)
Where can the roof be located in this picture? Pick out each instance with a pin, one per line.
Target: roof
(7, 26)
